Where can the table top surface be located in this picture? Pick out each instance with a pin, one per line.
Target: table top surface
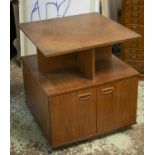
(75, 33)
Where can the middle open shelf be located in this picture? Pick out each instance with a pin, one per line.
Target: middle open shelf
(85, 62)
(57, 82)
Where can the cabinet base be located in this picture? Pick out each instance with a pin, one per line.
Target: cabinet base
(70, 108)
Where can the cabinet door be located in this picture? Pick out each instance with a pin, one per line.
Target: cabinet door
(73, 116)
(116, 105)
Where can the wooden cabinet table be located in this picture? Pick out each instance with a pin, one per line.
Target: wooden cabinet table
(74, 86)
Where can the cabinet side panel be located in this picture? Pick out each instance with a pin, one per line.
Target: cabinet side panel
(133, 98)
(36, 100)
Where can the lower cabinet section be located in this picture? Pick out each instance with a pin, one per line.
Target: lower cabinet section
(81, 114)
(116, 105)
(73, 116)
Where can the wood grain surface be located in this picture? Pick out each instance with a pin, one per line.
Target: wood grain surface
(76, 95)
(73, 116)
(116, 104)
(71, 80)
(75, 33)
(37, 101)
(70, 108)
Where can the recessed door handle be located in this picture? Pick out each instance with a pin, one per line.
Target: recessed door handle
(84, 96)
(107, 90)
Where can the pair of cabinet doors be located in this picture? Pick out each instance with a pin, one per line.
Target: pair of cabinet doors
(81, 114)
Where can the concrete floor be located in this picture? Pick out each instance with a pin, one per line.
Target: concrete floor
(27, 139)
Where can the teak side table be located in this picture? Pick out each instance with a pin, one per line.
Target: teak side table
(74, 86)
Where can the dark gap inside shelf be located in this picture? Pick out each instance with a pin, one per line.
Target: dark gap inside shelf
(79, 62)
(83, 64)
(103, 57)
